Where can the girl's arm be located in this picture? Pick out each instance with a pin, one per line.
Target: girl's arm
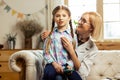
(46, 48)
(69, 47)
(49, 57)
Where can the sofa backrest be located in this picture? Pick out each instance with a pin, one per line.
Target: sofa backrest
(106, 65)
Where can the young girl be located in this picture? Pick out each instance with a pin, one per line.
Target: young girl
(55, 54)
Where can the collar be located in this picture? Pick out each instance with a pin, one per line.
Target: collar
(67, 30)
(88, 44)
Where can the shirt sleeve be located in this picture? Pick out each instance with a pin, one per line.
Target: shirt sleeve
(86, 64)
(48, 58)
(70, 63)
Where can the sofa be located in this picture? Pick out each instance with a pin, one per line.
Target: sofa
(30, 65)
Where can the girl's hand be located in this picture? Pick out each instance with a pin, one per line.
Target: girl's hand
(57, 67)
(44, 35)
(69, 67)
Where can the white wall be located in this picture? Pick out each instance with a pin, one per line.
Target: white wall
(36, 9)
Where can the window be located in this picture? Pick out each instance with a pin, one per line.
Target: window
(78, 7)
(109, 10)
(111, 17)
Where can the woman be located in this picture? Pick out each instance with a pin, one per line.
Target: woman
(89, 28)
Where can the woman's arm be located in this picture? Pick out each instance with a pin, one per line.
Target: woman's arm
(69, 47)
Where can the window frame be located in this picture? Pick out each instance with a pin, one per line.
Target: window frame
(99, 9)
(105, 44)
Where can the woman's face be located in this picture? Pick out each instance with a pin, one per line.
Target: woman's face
(84, 25)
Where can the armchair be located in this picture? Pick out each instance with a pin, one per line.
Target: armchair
(29, 63)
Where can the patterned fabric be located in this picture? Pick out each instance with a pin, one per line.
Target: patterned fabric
(56, 50)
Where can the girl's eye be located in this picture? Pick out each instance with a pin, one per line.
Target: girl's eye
(64, 15)
(57, 16)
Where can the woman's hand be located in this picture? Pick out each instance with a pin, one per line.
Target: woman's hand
(44, 35)
(67, 45)
(57, 67)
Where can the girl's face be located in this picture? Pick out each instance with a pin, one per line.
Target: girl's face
(61, 18)
(84, 25)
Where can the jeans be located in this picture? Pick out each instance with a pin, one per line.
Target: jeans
(58, 77)
(51, 74)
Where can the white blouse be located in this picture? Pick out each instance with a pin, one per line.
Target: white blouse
(86, 53)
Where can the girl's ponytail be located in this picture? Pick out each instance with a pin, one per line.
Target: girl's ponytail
(48, 42)
(72, 34)
(70, 23)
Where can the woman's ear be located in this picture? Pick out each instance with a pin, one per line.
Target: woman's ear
(90, 30)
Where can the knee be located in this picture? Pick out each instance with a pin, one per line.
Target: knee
(51, 75)
(49, 72)
(58, 77)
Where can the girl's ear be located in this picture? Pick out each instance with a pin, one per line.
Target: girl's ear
(69, 18)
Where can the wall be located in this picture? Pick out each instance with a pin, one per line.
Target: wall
(12, 11)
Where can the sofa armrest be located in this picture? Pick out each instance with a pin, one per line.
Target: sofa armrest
(31, 60)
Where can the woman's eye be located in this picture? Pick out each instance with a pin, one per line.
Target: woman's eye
(83, 20)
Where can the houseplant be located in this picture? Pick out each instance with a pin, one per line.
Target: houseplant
(11, 40)
(29, 28)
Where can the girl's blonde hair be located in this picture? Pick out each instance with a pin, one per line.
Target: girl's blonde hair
(55, 10)
(96, 24)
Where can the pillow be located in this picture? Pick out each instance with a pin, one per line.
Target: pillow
(117, 76)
